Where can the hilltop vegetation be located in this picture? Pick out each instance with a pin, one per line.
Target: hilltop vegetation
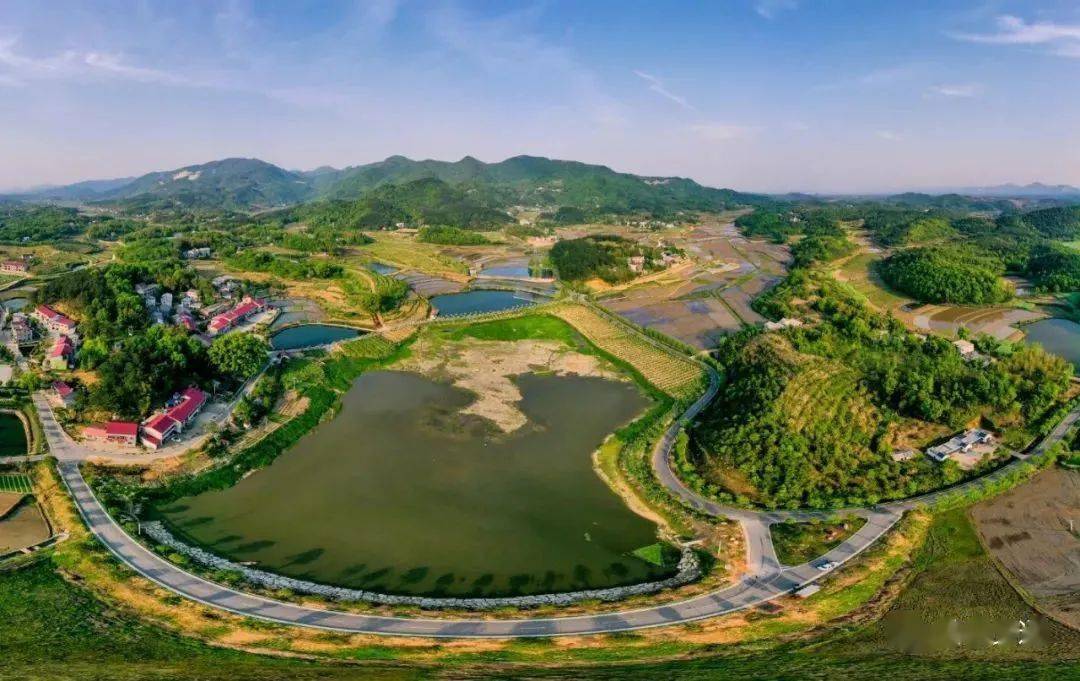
(601, 255)
(810, 416)
(946, 275)
(451, 236)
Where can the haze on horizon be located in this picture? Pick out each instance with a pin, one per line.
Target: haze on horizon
(761, 95)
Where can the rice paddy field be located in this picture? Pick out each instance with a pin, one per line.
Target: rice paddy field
(17, 483)
(711, 294)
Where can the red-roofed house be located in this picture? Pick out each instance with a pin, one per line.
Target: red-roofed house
(120, 432)
(61, 354)
(54, 320)
(187, 321)
(16, 266)
(64, 393)
(160, 427)
(230, 318)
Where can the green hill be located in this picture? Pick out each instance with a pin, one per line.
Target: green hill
(533, 180)
(232, 183)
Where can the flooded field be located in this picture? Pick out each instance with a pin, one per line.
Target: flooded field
(402, 492)
(1031, 530)
(709, 295)
(23, 526)
(999, 322)
(429, 285)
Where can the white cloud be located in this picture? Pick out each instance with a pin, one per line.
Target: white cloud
(723, 132)
(770, 8)
(888, 135)
(1062, 39)
(656, 85)
(956, 90)
(77, 65)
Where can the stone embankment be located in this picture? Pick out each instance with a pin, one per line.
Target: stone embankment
(689, 570)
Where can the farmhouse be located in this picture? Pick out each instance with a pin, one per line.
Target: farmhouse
(197, 253)
(960, 444)
(61, 354)
(65, 394)
(182, 411)
(967, 350)
(54, 321)
(230, 318)
(119, 432)
(14, 266)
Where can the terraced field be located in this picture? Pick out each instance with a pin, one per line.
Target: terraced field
(669, 372)
(828, 393)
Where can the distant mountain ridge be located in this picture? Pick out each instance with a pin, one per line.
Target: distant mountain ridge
(252, 184)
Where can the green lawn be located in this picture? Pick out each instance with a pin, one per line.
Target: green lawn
(798, 543)
(528, 327)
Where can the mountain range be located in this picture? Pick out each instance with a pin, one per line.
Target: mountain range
(250, 184)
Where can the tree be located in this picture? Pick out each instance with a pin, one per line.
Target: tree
(240, 355)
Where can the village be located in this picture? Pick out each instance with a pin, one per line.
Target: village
(45, 343)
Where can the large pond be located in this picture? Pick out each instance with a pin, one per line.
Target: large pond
(310, 335)
(12, 435)
(471, 302)
(1059, 336)
(402, 493)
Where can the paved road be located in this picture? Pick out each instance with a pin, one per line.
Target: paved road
(747, 593)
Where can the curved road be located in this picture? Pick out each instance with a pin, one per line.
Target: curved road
(765, 581)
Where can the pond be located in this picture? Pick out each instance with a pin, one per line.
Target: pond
(310, 335)
(471, 302)
(402, 493)
(12, 435)
(15, 304)
(1059, 336)
(381, 268)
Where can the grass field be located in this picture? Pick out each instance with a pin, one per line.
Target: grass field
(15, 483)
(859, 272)
(797, 543)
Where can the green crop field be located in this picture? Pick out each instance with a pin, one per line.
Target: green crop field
(15, 483)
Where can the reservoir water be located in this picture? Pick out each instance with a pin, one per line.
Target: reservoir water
(471, 302)
(310, 335)
(1059, 336)
(402, 493)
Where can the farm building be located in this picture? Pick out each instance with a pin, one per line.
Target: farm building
(61, 354)
(119, 432)
(14, 266)
(65, 394)
(960, 444)
(160, 427)
(247, 307)
(55, 321)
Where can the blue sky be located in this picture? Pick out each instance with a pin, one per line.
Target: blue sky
(769, 95)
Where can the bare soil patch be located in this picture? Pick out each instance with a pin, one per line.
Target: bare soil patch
(1034, 532)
